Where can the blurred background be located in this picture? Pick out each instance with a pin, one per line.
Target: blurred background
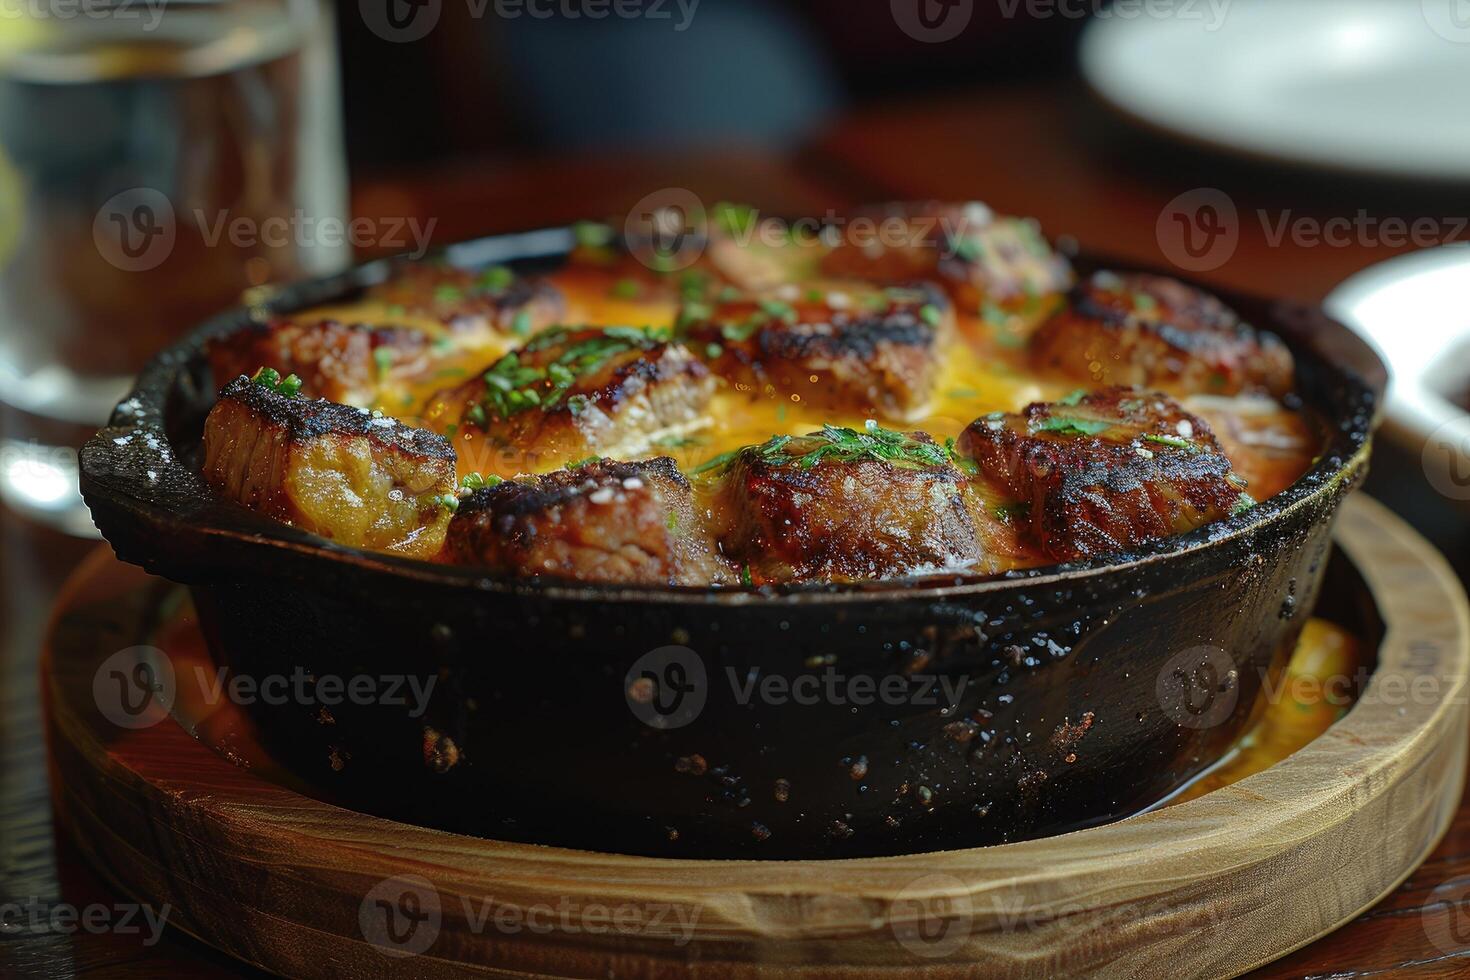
(158, 158)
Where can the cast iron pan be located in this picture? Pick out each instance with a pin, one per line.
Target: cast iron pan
(804, 722)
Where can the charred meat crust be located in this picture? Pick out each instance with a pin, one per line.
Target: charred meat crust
(786, 517)
(979, 256)
(1107, 471)
(343, 362)
(591, 389)
(876, 350)
(347, 474)
(1146, 330)
(306, 418)
(464, 299)
(607, 521)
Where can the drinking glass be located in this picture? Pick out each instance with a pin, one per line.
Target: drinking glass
(157, 158)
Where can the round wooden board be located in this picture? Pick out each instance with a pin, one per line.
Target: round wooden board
(1207, 888)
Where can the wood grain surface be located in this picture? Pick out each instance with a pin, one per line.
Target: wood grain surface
(1207, 888)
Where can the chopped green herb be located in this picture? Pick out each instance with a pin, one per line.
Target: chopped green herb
(625, 289)
(446, 293)
(451, 501)
(966, 249)
(931, 314)
(512, 387)
(962, 393)
(693, 311)
(383, 357)
(268, 377)
(1144, 303)
(840, 444)
(745, 578)
(1008, 512)
(1064, 425)
(713, 350)
(693, 284)
(779, 310)
(1174, 441)
(496, 279)
(1074, 399)
(592, 234)
(577, 464)
(475, 481)
(715, 463)
(395, 309)
(520, 324)
(734, 219)
(1243, 503)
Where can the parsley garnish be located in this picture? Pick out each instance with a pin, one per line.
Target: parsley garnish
(1174, 441)
(496, 279)
(512, 387)
(625, 289)
(268, 377)
(1243, 503)
(383, 357)
(1007, 512)
(474, 481)
(1064, 425)
(841, 445)
(592, 234)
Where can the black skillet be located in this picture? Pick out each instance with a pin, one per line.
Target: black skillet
(806, 722)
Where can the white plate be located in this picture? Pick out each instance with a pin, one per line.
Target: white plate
(1379, 86)
(1412, 309)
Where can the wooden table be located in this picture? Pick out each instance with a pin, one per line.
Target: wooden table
(1043, 150)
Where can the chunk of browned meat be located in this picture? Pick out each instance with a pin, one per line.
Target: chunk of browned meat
(478, 307)
(1105, 472)
(845, 346)
(606, 521)
(1144, 330)
(357, 477)
(981, 258)
(573, 392)
(842, 505)
(341, 362)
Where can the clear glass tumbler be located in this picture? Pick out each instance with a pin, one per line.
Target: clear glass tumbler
(157, 158)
